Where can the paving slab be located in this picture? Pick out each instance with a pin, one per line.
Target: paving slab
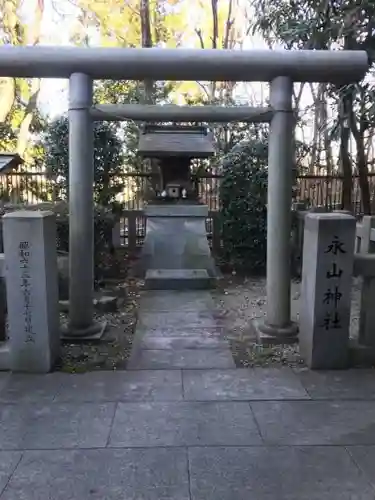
(183, 424)
(364, 457)
(183, 331)
(316, 422)
(339, 384)
(8, 462)
(3, 379)
(140, 385)
(174, 319)
(55, 426)
(30, 388)
(176, 301)
(148, 359)
(242, 384)
(178, 343)
(276, 473)
(151, 474)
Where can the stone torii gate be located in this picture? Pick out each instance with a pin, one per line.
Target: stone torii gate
(281, 68)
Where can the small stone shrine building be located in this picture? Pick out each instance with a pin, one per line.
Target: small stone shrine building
(176, 253)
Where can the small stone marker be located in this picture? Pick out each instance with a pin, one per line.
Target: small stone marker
(32, 290)
(328, 254)
(3, 299)
(366, 335)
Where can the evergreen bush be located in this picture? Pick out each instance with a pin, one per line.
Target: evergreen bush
(243, 196)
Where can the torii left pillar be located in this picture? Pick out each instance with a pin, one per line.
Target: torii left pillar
(277, 327)
(81, 211)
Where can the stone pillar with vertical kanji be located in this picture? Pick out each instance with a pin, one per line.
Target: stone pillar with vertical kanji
(32, 290)
(328, 254)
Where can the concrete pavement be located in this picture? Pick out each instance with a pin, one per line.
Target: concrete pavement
(182, 423)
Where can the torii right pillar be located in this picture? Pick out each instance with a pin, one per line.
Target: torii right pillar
(277, 327)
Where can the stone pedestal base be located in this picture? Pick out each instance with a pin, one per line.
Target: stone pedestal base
(176, 240)
(4, 356)
(269, 335)
(361, 356)
(93, 333)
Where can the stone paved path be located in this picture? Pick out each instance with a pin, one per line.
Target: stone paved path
(183, 424)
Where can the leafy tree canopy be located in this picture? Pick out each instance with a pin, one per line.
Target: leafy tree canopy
(108, 160)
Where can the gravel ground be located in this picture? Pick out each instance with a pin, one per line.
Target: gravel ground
(112, 352)
(239, 300)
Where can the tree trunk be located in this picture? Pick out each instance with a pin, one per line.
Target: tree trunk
(33, 39)
(147, 43)
(358, 134)
(23, 134)
(314, 158)
(326, 136)
(345, 110)
(148, 95)
(346, 164)
(10, 29)
(7, 97)
(363, 178)
(214, 39)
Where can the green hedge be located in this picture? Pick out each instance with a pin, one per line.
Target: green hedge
(104, 221)
(243, 195)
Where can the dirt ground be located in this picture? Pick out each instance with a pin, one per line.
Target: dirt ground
(239, 300)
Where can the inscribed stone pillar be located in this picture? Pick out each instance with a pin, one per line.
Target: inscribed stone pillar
(32, 290)
(328, 254)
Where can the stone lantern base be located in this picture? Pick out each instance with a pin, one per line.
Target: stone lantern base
(176, 254)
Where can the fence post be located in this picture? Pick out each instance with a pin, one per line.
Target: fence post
(132, 232)
(366, 245)
(298, 215)
(367, 312)
(116, 235)
(216, 233)
(32, 290)
(367, 299)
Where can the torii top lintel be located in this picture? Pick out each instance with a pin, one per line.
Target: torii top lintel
(183, 64)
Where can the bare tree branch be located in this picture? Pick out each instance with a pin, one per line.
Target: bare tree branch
(200, 36)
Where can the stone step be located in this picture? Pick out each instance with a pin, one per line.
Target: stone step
(174, 300)
(178, 279)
